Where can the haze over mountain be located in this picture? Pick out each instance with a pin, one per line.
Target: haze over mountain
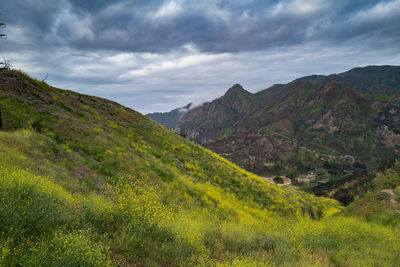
(170, 118)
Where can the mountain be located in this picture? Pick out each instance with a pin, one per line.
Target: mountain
(374, 79)
(170, 118)
(85, 181)
(218, 116)
(300, 127)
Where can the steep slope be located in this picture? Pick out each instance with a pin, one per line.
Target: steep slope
(216, 119)
(170, 118)
(87, 182)
(98, 139)
(373, 79)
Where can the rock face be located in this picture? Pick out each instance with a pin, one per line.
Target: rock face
(212, 120)
(298, 124)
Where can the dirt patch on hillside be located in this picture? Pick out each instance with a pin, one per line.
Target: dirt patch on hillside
(392, 195)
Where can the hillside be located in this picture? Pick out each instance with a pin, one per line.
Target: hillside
(87, 182)
(170, 118)
(300, 127)
(378, 199)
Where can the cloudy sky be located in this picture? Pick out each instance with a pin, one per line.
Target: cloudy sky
(154, 55)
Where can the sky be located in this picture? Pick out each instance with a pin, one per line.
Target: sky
(157, 55)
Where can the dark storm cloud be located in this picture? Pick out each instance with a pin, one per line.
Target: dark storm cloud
(35, 17)
(214, 26)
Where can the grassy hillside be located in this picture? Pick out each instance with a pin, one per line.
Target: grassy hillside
(87, 182)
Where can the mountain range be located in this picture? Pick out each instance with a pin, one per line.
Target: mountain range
(315, 123)
(374, 79)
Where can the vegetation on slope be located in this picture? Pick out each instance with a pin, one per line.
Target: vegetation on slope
(379, 199)
(373, 79)
(85, 181)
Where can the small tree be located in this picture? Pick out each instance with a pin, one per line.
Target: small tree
(278, 180)
(320, 174)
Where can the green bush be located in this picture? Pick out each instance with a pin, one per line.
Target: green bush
(72, 249)
(278, 180)
(100, 213)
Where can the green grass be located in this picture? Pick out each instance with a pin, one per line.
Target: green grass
(381, 96)
(130, 221)
(102, 185)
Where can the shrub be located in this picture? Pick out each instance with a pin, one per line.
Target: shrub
(5, 250)
(278, 180)
(100, 213)
(72, 249)
(137, 200)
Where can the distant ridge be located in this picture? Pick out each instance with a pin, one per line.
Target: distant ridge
(374, 79)
(170, 118)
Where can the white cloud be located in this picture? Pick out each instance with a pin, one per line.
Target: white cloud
(179, 77)
(169, 9)
(175, 62)
(299, 7)
(381, 11)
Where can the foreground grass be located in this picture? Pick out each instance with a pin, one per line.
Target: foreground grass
(43, 224)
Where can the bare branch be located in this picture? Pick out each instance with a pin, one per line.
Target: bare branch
(47, 76)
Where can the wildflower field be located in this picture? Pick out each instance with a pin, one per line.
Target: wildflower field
(87, 182)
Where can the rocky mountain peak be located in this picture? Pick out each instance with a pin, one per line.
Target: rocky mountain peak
(236, 90)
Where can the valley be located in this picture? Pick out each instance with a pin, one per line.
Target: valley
(318, 124)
